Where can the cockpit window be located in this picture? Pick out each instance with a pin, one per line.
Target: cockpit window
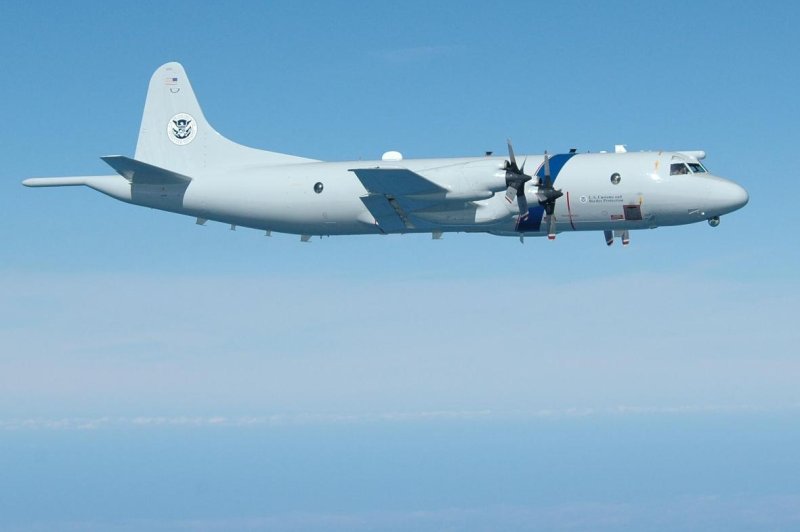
(678, 169)
(697, 168)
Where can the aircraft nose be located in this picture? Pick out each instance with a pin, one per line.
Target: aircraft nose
(725, 196)
(732, 196)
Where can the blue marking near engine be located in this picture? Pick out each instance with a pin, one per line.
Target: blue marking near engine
(533, 222)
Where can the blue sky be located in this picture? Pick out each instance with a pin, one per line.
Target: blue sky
(119, 322)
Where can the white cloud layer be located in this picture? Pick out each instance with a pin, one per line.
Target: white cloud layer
(122, 344)
(701, 512)
(281, 420)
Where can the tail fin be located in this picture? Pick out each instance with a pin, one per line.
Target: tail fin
(175, 135)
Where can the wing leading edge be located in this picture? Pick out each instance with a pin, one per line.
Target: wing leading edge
(143, 173)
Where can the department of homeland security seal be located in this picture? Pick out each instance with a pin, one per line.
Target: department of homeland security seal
(181, 129)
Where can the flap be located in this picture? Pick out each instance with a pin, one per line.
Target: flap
(390, 218)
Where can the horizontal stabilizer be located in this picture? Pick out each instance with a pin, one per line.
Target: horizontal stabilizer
(395, 182)
(143, 173)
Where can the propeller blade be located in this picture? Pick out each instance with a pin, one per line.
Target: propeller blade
(551, 227)
(515, 181)
(522, 201)
(547, 181)
(510, 193)
(511, 158)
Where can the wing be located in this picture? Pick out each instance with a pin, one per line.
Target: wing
(396, 182)
(395, 193)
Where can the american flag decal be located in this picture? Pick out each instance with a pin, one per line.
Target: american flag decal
(170, 81)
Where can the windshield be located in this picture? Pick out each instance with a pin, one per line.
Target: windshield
(678, 169)
(686, 168)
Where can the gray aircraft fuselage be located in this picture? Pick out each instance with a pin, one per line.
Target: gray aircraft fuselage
(182, 165)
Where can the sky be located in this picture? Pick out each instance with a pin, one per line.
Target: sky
(155, 374)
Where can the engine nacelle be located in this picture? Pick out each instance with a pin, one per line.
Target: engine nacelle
(470, 181)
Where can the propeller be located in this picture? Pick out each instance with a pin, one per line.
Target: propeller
(515, 181)
(547, 196)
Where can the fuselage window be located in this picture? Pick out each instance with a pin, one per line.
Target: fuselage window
(697, 168)
(678, 169)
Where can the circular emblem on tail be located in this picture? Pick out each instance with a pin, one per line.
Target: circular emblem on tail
(181, 129)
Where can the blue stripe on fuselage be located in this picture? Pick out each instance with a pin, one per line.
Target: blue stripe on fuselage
(533, 222)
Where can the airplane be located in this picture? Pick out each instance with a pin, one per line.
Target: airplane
(183, 165)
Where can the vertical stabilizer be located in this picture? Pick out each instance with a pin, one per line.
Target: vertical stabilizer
(175, 135)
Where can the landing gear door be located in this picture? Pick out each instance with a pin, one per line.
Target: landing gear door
(632, 212)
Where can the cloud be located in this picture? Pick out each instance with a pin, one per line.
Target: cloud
(303, 419)
(123, 344)
(698, 512)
